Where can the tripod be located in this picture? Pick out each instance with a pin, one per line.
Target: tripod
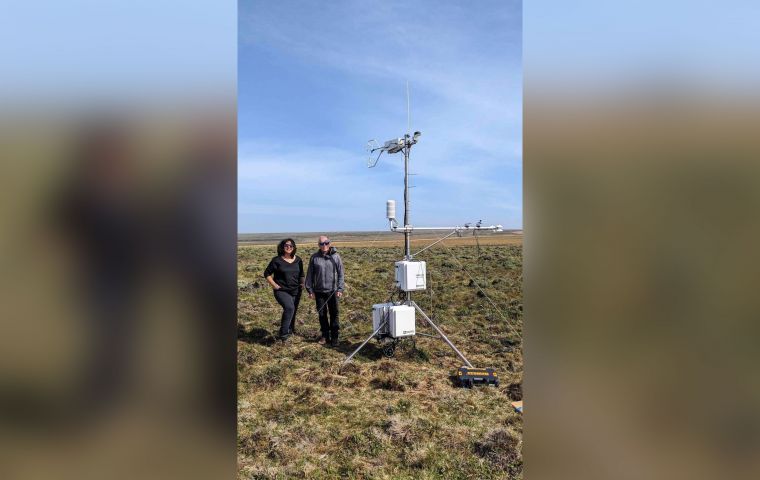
(432, 324)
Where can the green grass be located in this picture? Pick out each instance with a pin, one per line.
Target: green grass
(300, 416)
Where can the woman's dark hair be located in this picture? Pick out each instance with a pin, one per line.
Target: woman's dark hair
(281, 247)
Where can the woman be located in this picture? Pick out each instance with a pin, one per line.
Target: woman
(286, 276)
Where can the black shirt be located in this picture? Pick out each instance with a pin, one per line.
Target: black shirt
(287, 275)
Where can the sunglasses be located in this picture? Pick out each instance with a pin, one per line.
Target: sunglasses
(322, 244)
(288, 245)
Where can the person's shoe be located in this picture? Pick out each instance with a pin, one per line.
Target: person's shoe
(334, 342)
(322, 340)
(284, 339)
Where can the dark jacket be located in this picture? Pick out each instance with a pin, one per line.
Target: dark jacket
(325, 273)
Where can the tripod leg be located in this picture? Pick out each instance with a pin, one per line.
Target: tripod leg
(348, 359)
(445, 338)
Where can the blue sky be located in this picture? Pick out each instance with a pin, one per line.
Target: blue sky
(316, 80)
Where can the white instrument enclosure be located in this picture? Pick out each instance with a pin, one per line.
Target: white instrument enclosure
(402, 321)
(411, 275)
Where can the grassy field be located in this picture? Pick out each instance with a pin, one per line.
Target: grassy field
(300, 416)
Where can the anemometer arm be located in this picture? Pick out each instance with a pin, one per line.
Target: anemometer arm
(458, 229)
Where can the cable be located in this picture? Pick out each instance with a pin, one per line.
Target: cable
(439, 240)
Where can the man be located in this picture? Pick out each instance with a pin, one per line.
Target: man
(324, 282)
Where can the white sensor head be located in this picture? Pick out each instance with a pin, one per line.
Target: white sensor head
(390, 209)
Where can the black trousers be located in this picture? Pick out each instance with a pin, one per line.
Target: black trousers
(289, 303)
(327, 302)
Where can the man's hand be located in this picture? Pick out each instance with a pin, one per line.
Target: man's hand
(338, 294)
(311, 294)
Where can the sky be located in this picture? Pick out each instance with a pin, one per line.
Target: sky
(317, 80)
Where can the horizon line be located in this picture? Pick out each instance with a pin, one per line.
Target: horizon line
(506, 230)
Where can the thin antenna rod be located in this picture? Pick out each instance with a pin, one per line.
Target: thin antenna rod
(407, 233)
(408, 111)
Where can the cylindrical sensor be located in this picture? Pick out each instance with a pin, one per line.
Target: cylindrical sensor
(390, 209)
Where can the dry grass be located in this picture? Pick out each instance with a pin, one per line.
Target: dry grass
(300, 416)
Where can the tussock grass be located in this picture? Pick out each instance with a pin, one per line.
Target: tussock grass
(301, 416)
(501, 446)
